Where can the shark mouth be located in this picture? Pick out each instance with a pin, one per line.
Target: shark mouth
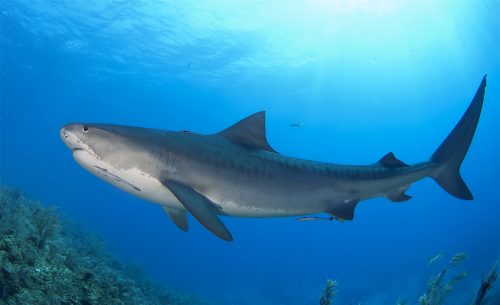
(90, 162)
(79, 149)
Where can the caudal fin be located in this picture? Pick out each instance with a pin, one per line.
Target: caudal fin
(451, 153)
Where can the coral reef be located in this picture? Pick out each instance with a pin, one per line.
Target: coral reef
(329, 292)
(46, 260)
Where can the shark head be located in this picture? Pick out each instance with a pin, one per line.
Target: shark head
(93, 147)
(107, 151)
(103, 141)
(125, 157)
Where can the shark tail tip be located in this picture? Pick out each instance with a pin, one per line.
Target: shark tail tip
(451, 153)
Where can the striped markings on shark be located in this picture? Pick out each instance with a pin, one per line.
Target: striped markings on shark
(236, 172)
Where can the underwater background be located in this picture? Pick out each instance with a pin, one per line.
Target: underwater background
(341, 81)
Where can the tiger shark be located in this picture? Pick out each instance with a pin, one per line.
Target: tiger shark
(236, 172)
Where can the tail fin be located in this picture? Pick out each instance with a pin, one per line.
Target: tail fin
(452, 151)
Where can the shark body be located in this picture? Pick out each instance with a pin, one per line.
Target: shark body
(237, 173)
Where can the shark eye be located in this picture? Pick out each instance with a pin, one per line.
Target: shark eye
(85, 129)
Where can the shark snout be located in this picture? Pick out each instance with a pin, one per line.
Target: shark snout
(63, 133)
(67, 135)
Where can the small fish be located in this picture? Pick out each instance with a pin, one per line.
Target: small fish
(312, 218)
(296, 125)
(188, 65)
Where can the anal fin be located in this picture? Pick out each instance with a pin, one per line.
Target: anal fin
(200, 207)
(178, 217)
(399, 195)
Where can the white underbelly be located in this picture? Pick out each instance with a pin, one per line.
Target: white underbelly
(133, 181)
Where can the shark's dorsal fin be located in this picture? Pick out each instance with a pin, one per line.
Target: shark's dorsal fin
(389, 160)
(251, 132)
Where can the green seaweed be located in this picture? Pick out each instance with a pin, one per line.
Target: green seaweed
(486, 285)
(329, 292)
(435, 258)
(437, 288)
(402, 302)
(458, 258)
(44, 259)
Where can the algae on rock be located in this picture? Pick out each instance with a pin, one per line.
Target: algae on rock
(46, 260)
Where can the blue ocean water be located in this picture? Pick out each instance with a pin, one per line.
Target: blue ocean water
(362, 78)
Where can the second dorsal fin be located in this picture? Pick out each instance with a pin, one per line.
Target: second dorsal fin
(389, 160)
(251, 132)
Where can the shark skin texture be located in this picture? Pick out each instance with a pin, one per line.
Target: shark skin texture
(237, 173)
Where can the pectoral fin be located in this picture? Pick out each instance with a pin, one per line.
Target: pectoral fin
(200, 207)
(178, 217)
(344, 210)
